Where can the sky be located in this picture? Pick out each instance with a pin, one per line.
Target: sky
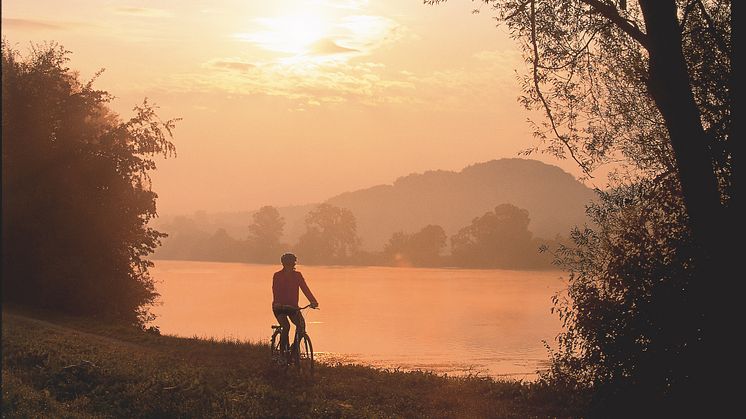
(292, 102)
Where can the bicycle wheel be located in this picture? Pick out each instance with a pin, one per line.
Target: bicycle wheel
(304, 357)
(274, 347)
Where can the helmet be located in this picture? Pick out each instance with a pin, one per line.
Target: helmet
(288, 257)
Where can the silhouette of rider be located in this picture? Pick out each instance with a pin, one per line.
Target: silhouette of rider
(285, 285)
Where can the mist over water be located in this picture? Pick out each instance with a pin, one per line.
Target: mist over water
(454, 321)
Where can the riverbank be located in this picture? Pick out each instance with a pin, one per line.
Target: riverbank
(55, 366)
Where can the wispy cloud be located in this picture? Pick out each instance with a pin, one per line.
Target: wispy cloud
(486, 77)
(35, 24)
(324, 82)
(369, 32)
(143, 12)
(344, 4)
(310, 34)
(328, 46)
(230, 64)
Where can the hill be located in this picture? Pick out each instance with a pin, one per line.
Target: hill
(554, 199)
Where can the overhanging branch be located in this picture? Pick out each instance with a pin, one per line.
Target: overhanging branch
(610, 12)
(537, 87)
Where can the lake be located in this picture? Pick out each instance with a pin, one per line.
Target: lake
(454, 321)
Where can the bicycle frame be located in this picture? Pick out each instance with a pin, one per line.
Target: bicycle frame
(299, 353)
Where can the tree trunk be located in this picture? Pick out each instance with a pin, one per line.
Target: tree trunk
(670, 87)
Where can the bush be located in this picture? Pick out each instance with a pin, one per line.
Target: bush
(630, 320)
(76, 193)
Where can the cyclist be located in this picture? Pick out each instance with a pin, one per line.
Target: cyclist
(285, 285)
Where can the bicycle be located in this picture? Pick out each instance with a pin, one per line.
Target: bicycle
(299, 354)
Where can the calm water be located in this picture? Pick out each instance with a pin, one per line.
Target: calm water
(453, 321)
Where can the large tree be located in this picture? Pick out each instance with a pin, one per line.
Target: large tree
(330, 237)
(615, 77)
(76, 193)
(646, 84)
(498, 239)
(265, 232)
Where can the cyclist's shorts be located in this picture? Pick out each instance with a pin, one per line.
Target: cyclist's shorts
(284, 310)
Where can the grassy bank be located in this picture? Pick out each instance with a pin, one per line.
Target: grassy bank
(56, 366)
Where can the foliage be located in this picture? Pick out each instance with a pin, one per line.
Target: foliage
(264, 234)
(645, 85)
(609, 93)
(591, 79)
(76, 192)
(330, 237)
(497, 239)
(190, 239)
(419, 249)
(221, 246)
(629, 308)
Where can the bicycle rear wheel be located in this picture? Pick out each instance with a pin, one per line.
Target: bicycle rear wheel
(274, 347)
(304, 357)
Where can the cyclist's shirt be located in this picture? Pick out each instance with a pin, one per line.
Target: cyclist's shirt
(285, 285)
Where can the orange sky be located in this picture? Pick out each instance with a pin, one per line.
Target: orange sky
(292, 102)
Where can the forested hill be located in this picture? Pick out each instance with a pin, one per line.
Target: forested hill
(555, 200)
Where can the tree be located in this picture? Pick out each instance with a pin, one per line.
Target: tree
(222, 247)
(77, 197)
(330, 237)
(264, 234)
(594, 68)
(396, 249)
(628, 305)
(648, 82)
(497, 239)
(185, 240)
(420, 249)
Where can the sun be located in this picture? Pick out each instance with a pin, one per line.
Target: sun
(292, 34)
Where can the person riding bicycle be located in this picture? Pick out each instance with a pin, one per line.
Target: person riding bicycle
(285, 285)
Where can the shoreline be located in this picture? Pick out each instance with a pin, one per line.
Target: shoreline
(64, 366)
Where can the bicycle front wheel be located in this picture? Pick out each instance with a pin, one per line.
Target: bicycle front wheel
(305, 356)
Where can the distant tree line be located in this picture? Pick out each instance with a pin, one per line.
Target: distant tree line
(498, 239)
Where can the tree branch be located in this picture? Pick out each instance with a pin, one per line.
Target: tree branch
(610, 12)
(517, 10)
(713, 29)
(547, 109)
(687, 9)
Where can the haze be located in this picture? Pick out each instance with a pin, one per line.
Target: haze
(291, 102)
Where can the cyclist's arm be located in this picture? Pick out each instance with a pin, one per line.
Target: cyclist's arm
(307, 292)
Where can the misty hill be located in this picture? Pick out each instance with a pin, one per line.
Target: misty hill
(554, 199)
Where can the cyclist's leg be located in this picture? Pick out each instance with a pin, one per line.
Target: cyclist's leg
(300, 325)
(282, 318)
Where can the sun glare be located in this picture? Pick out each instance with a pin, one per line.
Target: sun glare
(292, 34)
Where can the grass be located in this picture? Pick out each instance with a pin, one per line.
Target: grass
(67, 367)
